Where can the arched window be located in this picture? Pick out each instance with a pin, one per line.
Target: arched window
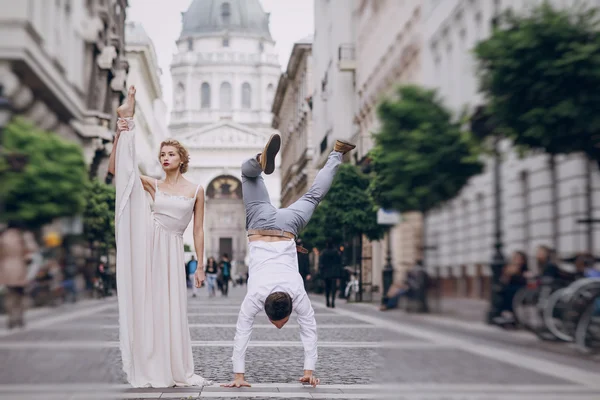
(226, 13)
(270, 95)
(180, 96)
(205, 95)
(225, 96)
(246, 95)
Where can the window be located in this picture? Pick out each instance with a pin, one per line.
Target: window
(205, 95)
(180, 97)
(226, 13)
(246, 95)
(190, 44)
(270, 95)
(261, 46)
(225, 42)
(225, 96)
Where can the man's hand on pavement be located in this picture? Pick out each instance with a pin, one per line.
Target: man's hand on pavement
(238, 382)
(310, 378)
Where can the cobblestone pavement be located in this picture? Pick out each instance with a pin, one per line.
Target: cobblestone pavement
(72, 353)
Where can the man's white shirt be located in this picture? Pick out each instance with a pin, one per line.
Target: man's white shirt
(274, 268)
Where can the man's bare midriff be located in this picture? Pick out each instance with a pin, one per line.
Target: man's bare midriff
(263, 238)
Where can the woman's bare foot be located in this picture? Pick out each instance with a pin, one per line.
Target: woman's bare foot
(127, 109)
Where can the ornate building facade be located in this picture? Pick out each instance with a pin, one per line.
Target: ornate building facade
(334, 61)
(538, 206)
(292, 116)
(364, 49)
(224, 77)
(63, 67)
(388, 54)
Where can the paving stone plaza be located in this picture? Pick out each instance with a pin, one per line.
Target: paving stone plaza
(72, 353)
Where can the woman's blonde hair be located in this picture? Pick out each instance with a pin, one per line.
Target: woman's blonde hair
(183, 153)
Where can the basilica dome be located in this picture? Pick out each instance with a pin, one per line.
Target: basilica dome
(210, 17)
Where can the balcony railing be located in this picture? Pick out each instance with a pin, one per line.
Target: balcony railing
(347, 57)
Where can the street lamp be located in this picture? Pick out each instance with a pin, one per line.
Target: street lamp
(16, 161)
(388, 269)
(483, 127)
(5, 111)
(389, 219)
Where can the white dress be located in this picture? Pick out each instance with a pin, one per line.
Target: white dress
(152, 294)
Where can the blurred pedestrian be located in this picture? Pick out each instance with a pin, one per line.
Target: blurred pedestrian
(513, 278)
(103, 274)
(303, 263)
(211, 271)
(70, 272)
(330, 267)
(225, 273)
(16, 248)
(191, 267)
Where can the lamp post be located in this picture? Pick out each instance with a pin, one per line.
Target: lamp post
(483, 127)
(389, 219)
(388, 269)
(498, 261)
(5, 114)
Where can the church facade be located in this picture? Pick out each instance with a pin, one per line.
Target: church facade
(224, 77)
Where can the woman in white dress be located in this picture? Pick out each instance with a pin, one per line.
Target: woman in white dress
(153, 326)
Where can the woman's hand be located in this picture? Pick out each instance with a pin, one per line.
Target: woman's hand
(199, 278)
(122, 126)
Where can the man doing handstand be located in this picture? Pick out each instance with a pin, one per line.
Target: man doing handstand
(274, 283)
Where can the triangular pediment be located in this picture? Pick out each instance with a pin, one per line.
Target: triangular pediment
(226, 134)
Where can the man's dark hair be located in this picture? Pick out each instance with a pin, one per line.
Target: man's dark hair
(278, 305)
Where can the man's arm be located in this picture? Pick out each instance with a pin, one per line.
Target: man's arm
(243, 332)
(308, 335)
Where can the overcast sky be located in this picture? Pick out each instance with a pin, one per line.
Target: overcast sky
(291, 20)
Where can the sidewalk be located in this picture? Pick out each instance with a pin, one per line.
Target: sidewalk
(461, 309)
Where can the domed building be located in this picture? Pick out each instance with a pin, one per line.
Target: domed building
(224, 77)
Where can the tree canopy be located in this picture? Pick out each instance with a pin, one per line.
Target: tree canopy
(99, 215)
(53, 182)
(422, 157)
(540, 74)
(346, 211)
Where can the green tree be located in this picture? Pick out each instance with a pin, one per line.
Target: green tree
(422, 157)
(52, 184)
(346, 212)
(99, 217)
(540, 73)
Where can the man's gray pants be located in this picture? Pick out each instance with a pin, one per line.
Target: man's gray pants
(261, 214)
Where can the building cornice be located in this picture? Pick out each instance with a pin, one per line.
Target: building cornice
(150, 67)
(279, 98)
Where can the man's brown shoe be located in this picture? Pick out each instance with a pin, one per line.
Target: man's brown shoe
(343, 147)
(267, 157)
